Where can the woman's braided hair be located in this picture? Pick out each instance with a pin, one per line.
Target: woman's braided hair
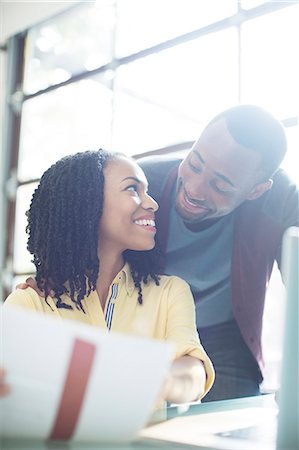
(63, 229)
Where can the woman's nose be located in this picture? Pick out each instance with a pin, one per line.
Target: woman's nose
(149, 203)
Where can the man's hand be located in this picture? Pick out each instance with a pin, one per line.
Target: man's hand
(31, 282)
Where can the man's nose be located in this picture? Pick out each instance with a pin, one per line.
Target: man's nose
(196, 186)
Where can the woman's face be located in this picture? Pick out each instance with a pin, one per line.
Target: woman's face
(128, 218)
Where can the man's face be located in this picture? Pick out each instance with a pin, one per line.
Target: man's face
(217, 176)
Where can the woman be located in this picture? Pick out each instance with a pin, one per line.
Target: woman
(91, 227)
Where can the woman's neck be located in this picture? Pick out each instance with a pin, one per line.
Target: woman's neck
(110, 265)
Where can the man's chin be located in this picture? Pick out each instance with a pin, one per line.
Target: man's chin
(192, 218)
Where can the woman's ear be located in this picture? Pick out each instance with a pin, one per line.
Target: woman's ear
(259, 189)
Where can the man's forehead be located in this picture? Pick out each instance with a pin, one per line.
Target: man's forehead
(217, 142)
(217, 137)
(233, 163)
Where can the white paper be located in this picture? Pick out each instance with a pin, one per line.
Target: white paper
(125, 379)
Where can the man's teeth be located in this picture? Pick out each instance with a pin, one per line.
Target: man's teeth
(148, 222)
(190, 202)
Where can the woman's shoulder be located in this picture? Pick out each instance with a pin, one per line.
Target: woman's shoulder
(173, 281)
(27, 298)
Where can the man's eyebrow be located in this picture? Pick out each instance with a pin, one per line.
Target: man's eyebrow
(218, 174)
(224, 178)
(199, 156)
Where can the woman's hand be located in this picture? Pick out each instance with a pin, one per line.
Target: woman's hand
(186, 380)
(4, 388)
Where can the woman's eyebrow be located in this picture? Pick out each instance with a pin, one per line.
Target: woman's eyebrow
(131, 178)
(136, 180)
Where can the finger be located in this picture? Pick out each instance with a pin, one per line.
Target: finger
(30, 281)
(22, 286)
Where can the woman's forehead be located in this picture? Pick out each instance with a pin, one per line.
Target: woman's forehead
(122, 167)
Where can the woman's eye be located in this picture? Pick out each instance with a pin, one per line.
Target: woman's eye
(132, 188)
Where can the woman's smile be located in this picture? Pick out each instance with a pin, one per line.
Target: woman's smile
(146, 223)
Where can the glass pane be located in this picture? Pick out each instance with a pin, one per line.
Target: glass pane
(142, 24)
(22, 257)
(78, 40)
(291, 160)
(140, 126)
(179, 90)
(67, 120)
(270, 63)
(248, 4)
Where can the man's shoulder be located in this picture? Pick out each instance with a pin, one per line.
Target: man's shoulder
(157, 170)
(279, 203)
(283, 176)
(283, 186)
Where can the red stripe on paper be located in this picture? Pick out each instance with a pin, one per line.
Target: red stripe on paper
(73, 392)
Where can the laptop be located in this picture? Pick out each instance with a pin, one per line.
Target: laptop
(288, 419)
(265, 422)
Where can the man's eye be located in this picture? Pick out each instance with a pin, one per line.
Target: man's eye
(194, 166)
(223, 188)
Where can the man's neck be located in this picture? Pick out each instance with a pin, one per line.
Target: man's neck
(200, 226)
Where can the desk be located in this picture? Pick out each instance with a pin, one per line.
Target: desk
(238, 424)
(143, 443)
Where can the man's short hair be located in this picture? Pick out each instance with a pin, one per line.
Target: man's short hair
(255, 128)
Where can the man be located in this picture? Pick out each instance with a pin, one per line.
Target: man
(223, 211)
